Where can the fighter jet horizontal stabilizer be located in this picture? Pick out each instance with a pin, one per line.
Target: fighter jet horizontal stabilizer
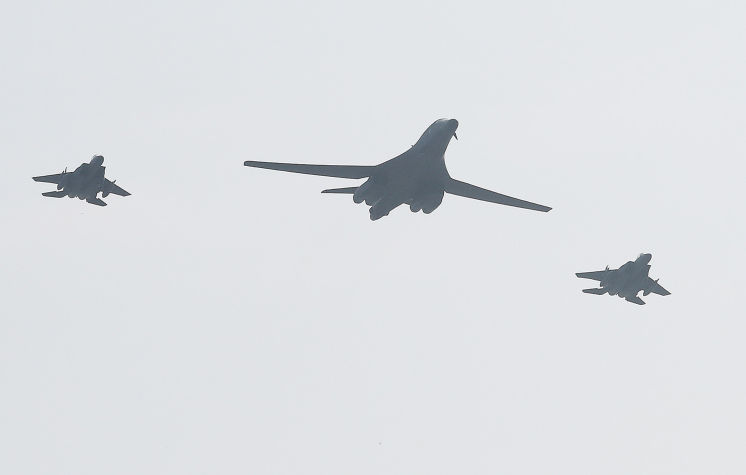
(347, 191)
(55, 194)
(595, 291)
(636, 300)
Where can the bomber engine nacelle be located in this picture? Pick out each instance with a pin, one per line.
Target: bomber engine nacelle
(431, 202)
(370, 192)
(427, 203)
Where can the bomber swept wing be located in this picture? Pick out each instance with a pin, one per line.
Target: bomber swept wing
(467, 190)
(454, 187)
(338, 171)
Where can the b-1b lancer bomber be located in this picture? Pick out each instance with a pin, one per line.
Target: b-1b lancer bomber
(626, 281)
(84, 183)
(417, 177)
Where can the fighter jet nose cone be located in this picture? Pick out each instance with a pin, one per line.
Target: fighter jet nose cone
(644, 258)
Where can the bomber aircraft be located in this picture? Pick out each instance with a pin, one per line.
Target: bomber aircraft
(417, 177)
(85, 183)
(626, 281)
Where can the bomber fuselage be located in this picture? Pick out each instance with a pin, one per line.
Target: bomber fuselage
(417, 177)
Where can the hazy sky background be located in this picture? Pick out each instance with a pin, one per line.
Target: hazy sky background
(227, 320)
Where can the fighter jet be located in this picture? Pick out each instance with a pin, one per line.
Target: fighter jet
(626, 281)
(85, 183)
(417, 177)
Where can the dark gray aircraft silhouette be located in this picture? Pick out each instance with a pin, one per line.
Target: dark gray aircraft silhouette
(626, 281)
(85, 183)
(417, 177)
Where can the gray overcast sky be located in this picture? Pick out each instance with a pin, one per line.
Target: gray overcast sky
(231, 320)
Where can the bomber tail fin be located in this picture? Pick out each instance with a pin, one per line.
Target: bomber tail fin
(595, 291)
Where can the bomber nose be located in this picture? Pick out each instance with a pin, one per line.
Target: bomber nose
(453, 123)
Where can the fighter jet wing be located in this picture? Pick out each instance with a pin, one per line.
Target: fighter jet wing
(96, 201)
(657, 288)
(460, 188)
(339, 171)
(56, 178)
(596, 275)
(114, 188)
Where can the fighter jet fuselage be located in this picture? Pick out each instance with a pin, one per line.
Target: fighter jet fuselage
(84, 183)
(627, 281)
(86, 180)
